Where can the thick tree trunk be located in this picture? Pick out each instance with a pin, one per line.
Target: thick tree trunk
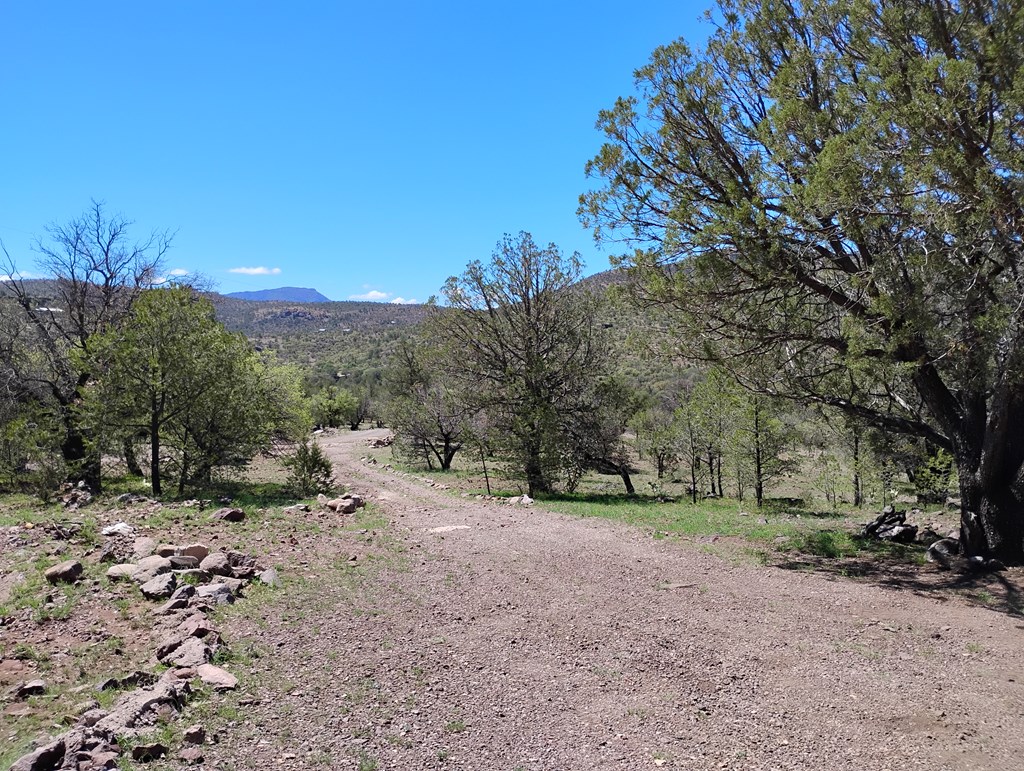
(83, 465)
(991, 520)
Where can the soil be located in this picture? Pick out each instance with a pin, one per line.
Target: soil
(475, 635)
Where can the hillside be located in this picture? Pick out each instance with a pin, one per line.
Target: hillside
(329, 337)
(292, 294)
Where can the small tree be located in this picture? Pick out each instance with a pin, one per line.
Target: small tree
(524, 347)
(310, 471)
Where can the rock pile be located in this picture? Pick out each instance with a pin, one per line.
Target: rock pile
(891, 525)
(189, 580)
(383, 441)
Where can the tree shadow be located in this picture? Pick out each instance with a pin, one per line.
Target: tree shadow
(902, 569)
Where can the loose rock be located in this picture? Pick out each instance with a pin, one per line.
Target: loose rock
(217, 564)
(228, 515)
(160, 587)
(220, 679)
(64, 573)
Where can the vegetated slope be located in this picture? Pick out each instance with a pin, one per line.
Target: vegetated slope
(292, 294)
(350, 338)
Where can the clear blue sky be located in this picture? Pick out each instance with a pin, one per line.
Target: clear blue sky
(348, 147)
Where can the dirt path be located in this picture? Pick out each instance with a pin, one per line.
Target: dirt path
(520, 639)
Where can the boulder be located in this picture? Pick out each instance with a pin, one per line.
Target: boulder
(215, 594)
(92, 717)
(160, 587)
(144, 546)
(46, 758)
(220, 679)
(228, 514)
(196, 625)
(216, 563)
(121, 572)
(943, 551)
(166, 550)
(150, 567)
(234, 584)
(148, 752)
(195, 734)
(191, 652)
(197, 550)
(182, 562)
(31, 688)
(64, 573)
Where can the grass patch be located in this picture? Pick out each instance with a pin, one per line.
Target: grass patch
(780, 527)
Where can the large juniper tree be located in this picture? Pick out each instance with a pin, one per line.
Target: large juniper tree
(833, 189)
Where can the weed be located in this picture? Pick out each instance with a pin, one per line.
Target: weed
(455, 726)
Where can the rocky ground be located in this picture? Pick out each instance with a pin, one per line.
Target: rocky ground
(440, 632)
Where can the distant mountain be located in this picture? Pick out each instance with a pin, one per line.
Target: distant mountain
(291, 294)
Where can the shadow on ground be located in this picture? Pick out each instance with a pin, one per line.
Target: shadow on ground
(903, 570)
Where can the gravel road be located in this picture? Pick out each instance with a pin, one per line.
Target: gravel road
(483, 636)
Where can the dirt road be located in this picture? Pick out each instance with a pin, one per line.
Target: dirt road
(512, 638)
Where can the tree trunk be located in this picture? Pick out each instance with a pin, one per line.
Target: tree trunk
(991, 520)
(858, 491)
(154, 456)
(128, 448)
(624, 473)
(758, 459)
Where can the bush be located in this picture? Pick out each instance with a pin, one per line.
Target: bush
(309, 470)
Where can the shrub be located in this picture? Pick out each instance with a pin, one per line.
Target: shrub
(310, 470)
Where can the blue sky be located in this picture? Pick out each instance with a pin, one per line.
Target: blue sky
(360, 149)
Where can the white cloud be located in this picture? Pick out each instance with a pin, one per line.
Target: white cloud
(23, 275)
(373, 295)
(258, 271)
(177, 272)
(403, 301)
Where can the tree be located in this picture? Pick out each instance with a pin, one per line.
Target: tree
(526, 345)
(428, 413)
(93, 273)
(657, 435)
(201, 394)
(595, 434)
(833, 189)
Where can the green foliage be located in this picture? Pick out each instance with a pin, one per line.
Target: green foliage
(933, 480)
(827, 201)
(524, 349)
(309, 470)
(200, 394)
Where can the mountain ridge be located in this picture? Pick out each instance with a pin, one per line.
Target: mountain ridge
(293, 294)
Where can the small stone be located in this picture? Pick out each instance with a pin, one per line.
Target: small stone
(191, 756)
(195, 734)
(220, 679)
(270, 578)
(64, 573)
(160, 587)
(228, 515)
(217, 564)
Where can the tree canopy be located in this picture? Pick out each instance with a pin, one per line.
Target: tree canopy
(828, 199)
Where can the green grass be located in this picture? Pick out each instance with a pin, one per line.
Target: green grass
(777, 528)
